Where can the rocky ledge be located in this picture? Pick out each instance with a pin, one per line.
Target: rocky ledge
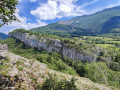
(50, 44)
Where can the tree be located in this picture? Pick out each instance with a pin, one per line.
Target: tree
(114, 66)
(7, 10)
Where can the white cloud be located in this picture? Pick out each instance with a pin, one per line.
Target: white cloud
(60, 8)
(113, 5)
(105, 7)
(28, 0)
(79, 8)
(46, 11)
(20, 0)
(88, 3)
(56, 9)
(23, 24)
(33, 0)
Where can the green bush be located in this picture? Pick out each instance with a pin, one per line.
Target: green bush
(117, 58)
(97, 72)
(114, 66)
(52, 83)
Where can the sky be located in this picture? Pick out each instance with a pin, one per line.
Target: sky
(37, 13)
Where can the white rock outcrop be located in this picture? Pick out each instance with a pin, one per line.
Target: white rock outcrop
(57, 45)
(3, 48)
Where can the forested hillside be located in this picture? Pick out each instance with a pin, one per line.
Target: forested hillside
(105, 21)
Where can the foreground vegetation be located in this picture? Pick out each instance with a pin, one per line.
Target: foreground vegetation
(15, 76)
(98, 72)
(52, 83)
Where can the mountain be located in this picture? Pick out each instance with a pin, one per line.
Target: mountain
(105, 21)
(3, 36)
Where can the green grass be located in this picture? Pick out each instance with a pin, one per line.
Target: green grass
(20, 68)
(4, 66)
(106, 45)
(116, 42)
(110, 42)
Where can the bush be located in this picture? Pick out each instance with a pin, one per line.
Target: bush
(117, 58)
(97, 72)
(114, 66)
(52, 83)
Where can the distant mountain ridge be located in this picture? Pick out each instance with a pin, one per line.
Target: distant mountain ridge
(3, 36)
(105, 21)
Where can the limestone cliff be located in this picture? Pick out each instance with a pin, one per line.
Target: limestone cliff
(50, 44)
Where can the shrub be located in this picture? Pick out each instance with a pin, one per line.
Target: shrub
(114, 66)
(52, 83)
(20, 68)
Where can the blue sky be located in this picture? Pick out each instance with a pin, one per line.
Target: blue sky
(37, 13)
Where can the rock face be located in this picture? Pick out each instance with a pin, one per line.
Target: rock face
(3, 48)
(56, 45)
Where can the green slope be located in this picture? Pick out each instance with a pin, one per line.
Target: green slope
(97, 21)
(104, 21)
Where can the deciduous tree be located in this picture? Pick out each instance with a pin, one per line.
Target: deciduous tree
(7, 10)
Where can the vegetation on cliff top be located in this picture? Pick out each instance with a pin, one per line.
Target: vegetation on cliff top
(70, 43)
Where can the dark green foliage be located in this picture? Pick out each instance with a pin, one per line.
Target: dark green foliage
(117, 58)
(112, 25)
(8, 82)
(114, 66)
(38, 35)
(111, 35)
(20, 31)
(62, 30)
(7, 10)
(102, 53)
(97, 72)
(52, 83)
